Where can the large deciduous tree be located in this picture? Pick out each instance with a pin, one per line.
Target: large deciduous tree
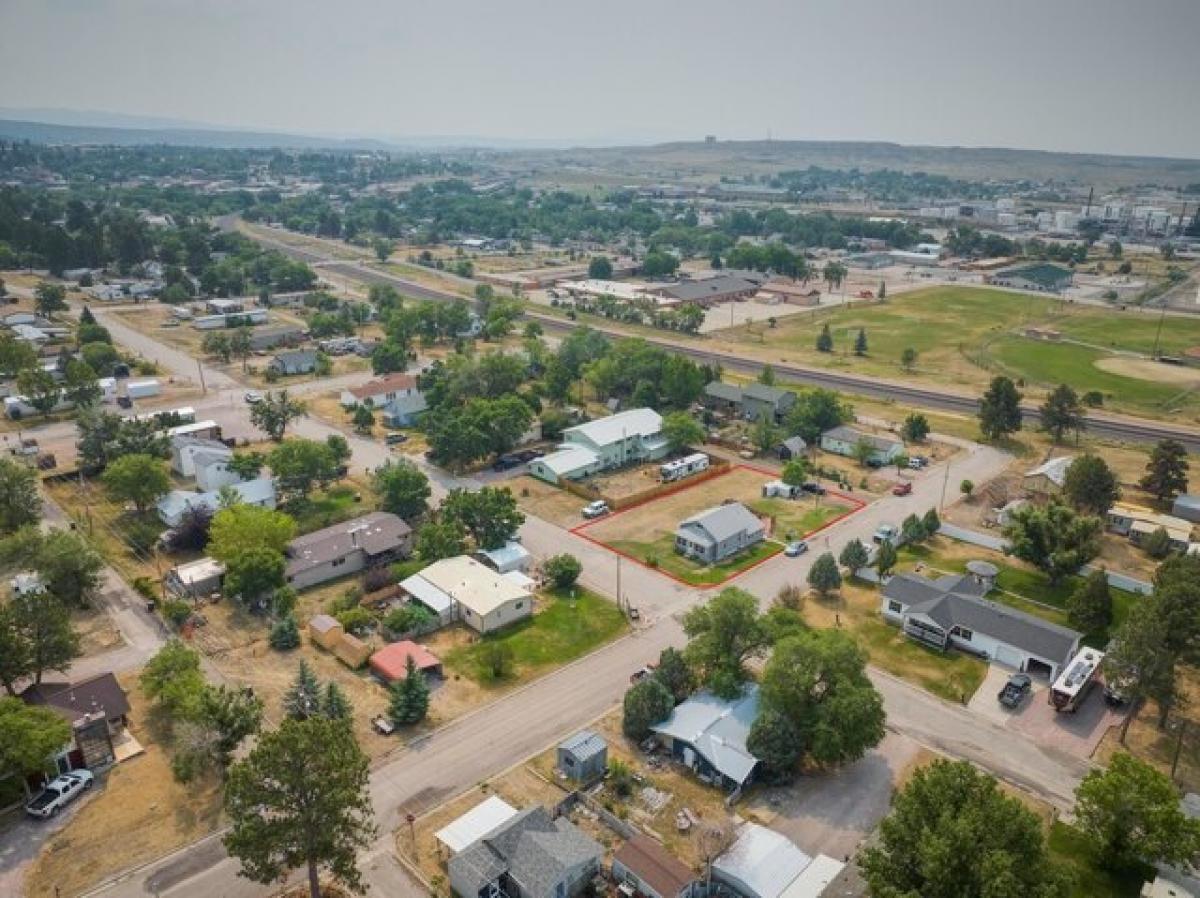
(275, 412)
(242, 527)
(20, 501)
(1091, 485)
(29, 736)
(952, 833)
(300, 800)
(403, 489)
(646, 703)
(723, 634)
(489, 514)
(1053, 538)
(138, 479)
(682, 430)
(1000, 409)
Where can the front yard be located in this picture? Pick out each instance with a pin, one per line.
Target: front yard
(660, 553)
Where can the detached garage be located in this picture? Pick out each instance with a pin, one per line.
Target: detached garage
(391, 662)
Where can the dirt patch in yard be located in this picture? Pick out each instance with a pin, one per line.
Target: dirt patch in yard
(1147, 369)
(97, 632)
(139, 813)
(548, 502)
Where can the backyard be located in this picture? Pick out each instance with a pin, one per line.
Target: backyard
(646, 532)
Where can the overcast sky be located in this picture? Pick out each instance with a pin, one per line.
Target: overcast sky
(1087, 75)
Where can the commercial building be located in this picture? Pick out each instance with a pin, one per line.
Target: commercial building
(707, 292)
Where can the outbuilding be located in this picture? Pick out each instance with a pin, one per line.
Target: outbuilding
(647, 868)
(390, 663)
(583, 757)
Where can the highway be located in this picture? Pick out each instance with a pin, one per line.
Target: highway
(1112, 427)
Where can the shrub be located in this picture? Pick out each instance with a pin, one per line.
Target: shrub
(145, 588)
(358, 621)
(407, 618)
(176, 611)
(285, 635)
(620, 777)
(563, 570)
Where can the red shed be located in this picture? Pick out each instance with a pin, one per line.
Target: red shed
(390, 662)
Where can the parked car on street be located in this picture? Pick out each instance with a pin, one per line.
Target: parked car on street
(1018, 686)
(59, 792)
(885, 533)
(596, 509)
(917, 462)
(394, 439)
(253, 397)
(527, 455)
(902, 489)
(795, 549)
(506, 463)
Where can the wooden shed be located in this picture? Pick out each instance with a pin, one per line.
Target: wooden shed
(325, 631)
(352, 651)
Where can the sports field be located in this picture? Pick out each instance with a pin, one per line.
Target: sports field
(965, 335)
(645, 532)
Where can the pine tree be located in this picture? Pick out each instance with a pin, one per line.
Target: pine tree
(335, 705)
(285, 634)
(303, 699)
(1167, 471)
(860, 342)
(86, 316)
(825, 340)
(410, 696)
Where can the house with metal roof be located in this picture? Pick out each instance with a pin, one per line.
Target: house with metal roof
(708, 734)
(1047, 479)
(476, 823)
(1138, 523)
(752, 402)
(719, 533)
(531, 855)
(172, 507)
(844, 440)
(762, 863)
(512, 556)
(462, 588)
(610, 442)
(582, 757)
(952, 611)
(707, 292)
(1040, 277)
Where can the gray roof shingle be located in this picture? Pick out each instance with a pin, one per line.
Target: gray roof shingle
(724, 521)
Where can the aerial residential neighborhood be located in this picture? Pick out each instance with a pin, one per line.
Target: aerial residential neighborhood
(480, 451)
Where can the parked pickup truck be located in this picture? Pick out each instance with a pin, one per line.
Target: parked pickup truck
(58, 793)
(1015, 690)
(597, 509)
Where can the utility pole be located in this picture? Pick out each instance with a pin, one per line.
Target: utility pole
(619, 604)
(200, 368)
(1180, 727)
(1158, 333)
(945, 482)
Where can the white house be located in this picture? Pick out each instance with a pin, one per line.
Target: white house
(463, 588)
(396, 396)
(184, 450)
(172, 506)
(843, 440)
(611, 442)
(952, 612)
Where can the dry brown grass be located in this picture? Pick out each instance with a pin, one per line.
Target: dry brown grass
(139, 813)
(97, 632)
(548, 502)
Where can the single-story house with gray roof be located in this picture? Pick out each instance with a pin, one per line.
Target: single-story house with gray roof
(530, 855)
(295, 361)
(842, 440)
(718, 533)
(708, 734)
(953, 611)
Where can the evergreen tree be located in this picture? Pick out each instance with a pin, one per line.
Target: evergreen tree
(303, 699)
(1166, 471)
(409, 696)
(1000, 409)
(931, 522)
(285, 634)
(825, 340)
(854, 556)
(1061, 412)
(335, 705)
(824, 575)
(1090, 607)
(885, 561)
(860, 342)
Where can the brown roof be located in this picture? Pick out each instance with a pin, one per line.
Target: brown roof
(382, 385)
(655, 866)
(73, 700)
(373, 533)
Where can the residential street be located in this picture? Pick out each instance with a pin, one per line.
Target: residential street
(524, 722)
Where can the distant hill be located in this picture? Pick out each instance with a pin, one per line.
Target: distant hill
(40, 132)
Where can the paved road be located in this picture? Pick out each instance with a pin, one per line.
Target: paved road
(1107, 426)
(505, 732)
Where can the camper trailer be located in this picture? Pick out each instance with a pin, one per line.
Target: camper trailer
(683, 467)
(1076, 681)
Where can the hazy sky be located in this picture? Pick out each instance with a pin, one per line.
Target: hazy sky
(1089, 75)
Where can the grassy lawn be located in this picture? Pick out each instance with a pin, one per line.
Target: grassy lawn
(1070, 848)
(949, 675)
(340, 502)
(562, 631)
(1018, 586)
(796, 518)
(660, 553)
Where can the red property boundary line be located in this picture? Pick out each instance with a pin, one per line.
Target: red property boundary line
(856, 505)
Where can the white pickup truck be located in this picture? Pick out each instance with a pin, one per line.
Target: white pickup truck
(59, 792)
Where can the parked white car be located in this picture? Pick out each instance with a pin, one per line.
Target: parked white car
(596, 509)
(59, 792)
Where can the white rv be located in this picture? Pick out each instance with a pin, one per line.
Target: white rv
(1076, 681)
(683, 467)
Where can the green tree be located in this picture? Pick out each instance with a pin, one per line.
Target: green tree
(301, 799)
(248, 526)
(1091, 485)
(915, 428)
(247, 465)
(49, 298)
(497, 659)
(363, 419)
(562, 570)
(20, 501)
(1131, 813)
(299, 465)
(1062, 411)
(173, 680)
(767, 376)
(1136, 663)
(966, 488)
(253, 573)
(885, 560)
(1000, 409)
(440, 539)
(674, 673)
(912, 530)
(646, 703)
(1053, 538)
(681, 430)
(860, 342)
(218, 345)
(383, 248)
(776, 741)
(1158, 543)
(824, 575)
(402, 488)
(816, 411)
(1166, 471)
(409, 696)
(81, 387)
(908, 358)
(40, 390)
(489, 514)
(29, 736)
(724, 633)
(765, 434)
(952, 833)
(932, 523)
(138, 479)
(1089, 607)
(795, 471)
(863, 452)
(335, 705)
(38, 631)
(15, 356)
(66, 564)
(285, 634)
(825, 339)
(233, 714)
(274, 412)
(600, 268)
(303, 698)
(854, 556)
(818, 681)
